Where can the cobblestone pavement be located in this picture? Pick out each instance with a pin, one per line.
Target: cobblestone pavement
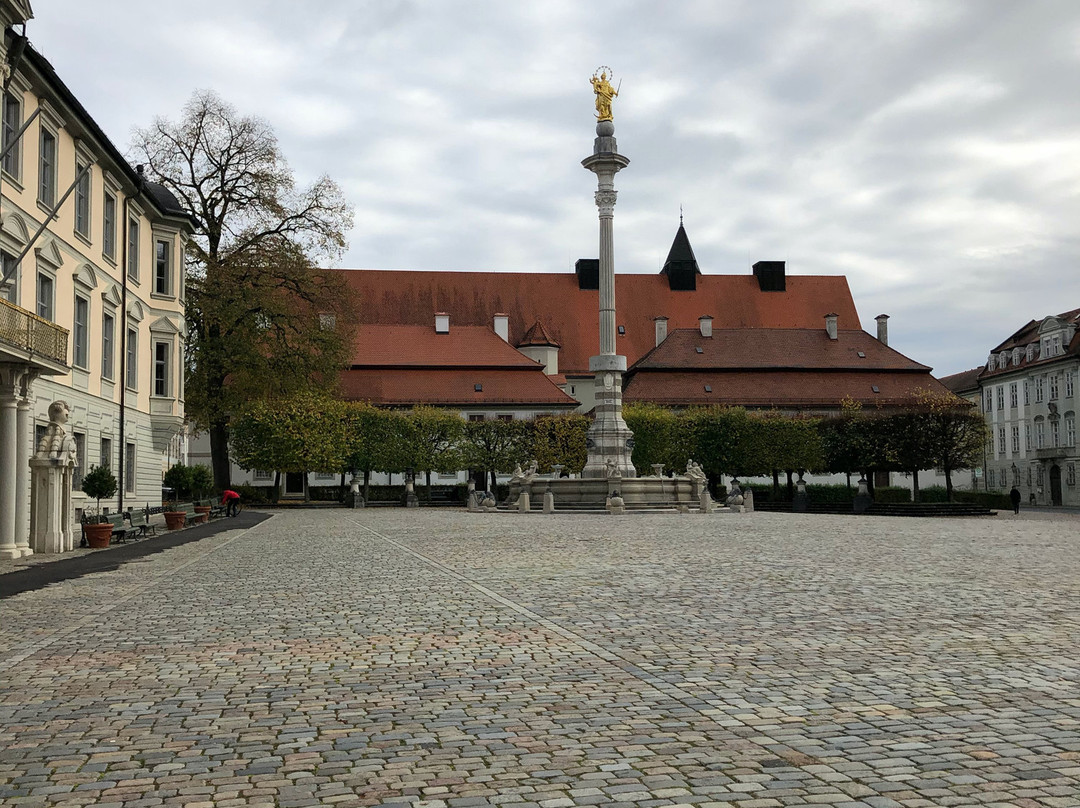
(450, 660)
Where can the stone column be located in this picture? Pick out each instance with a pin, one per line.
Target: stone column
(25, 440)
(9, 456)
(609, 438)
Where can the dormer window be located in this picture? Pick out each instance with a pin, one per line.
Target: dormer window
(1055, 345)
(1003, 359)
(990, 362)
(1030, 352)
(1016, 356)
(699, 350)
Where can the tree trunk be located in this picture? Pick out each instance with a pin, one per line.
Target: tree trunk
(869, 477)
(428, 487)
(219, 455)
(790, 487)
(277, 485)
(494, 484)
(776, 485)
(948, 484)
(848, 473)
(915, 485)
(367, 483)
(341, 488)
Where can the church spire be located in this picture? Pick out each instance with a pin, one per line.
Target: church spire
(681, 266)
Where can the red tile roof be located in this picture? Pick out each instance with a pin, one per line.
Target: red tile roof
(570, 315)
(455, 387)
(538, 335)
(402, 365)
(775, 348)
(420, 346)
(964, 382)
(1029, 334)
(780, 389)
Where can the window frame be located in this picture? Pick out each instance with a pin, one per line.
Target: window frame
(131, 380)
(49, 312)
(80, 342)
(163, 268)
(108, 224)
(134, 235)
(83, 189)
(130, 469)
(162, 369)
(47, 174)
(108, 345)
(1013, 397)
(12, 164)
(105, 452)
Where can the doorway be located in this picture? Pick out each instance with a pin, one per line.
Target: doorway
(294, 483)
(1055, 485)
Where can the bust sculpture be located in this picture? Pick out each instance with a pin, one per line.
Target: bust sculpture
(56, 443)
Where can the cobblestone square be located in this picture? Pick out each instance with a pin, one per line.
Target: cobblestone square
(440, 659)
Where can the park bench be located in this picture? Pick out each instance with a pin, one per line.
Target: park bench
(216, 508)
(121, 531)
(141, 522)
(189, 512)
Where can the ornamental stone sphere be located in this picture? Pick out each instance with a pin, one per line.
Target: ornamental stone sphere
(605, 128)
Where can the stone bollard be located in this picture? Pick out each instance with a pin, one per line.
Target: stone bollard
(474, 502)
(615, 503)
(487, 503)
(549, 501)
(411, 500)
(523, 502)
(748, 501)
(863, 500)
(705, 501)
(800, 502)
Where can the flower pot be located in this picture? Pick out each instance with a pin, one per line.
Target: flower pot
(97, 536)
(204, 513)
(174, 520)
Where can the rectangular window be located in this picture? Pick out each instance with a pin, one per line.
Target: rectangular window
(44, 296)
(80, 334)
(1053, 387)
(132, 359)
(108, 331)
(1040, 388)
(505, 417)
(129, 468)
(133, 249)
(264, 475)
(1040, 435)
(1027, 437)
(1012, 394)
(108, 231)
(161, 368)
(1027, 393)
(10, 271)
(82, 201)
(80, 458)
(11, 124)
(990, 479)
(1068, 384)
(1055, 433)
(1001, 440)
(1016, 440)
(989, 400)
(1070, 430)
(47, 168)
(476, 417)
(1001, 397)
(162, 268)
(105, 457)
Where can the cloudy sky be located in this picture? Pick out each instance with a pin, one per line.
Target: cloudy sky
(929, 151)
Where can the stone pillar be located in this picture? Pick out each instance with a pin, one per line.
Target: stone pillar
(609, 438)
(22, 472)
(9, 458)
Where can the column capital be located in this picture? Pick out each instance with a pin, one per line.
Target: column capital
(605, 200)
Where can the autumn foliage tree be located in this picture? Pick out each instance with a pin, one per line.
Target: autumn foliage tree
(258, 311)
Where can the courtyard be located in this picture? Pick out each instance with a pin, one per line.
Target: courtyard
(444, 659)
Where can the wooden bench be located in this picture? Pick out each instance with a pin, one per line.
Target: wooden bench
(121, 531)
(141, 522)
(216, 509)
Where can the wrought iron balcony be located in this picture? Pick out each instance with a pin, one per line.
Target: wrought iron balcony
(32, 334)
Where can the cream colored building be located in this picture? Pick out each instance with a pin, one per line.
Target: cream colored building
(92, 311)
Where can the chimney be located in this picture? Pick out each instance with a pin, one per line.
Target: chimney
(661, 328)
(442, 322)
(771, 276)
(830, 325)
(588, 273)
(883, 328)
(502, 326)
(705, 324)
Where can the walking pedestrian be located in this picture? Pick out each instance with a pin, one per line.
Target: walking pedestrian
(1014, 495)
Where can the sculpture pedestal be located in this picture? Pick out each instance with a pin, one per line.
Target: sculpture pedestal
(609, 439)
(51, 510)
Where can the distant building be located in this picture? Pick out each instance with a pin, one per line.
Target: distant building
(1028, 390)
(81, 233)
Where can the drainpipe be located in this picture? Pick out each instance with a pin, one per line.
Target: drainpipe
(140, 184)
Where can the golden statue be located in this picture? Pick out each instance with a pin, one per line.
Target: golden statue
(604, 93)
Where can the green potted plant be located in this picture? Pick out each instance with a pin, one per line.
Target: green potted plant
(200, 481)
(98, 483)
(178, 478)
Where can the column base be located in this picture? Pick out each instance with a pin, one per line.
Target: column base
(9, 553)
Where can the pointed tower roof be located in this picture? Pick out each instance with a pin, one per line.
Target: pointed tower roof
(681, 266)
(538, 335)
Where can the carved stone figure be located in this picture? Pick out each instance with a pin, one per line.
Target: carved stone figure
(695, 472)
(56, 443)
(613, 470)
